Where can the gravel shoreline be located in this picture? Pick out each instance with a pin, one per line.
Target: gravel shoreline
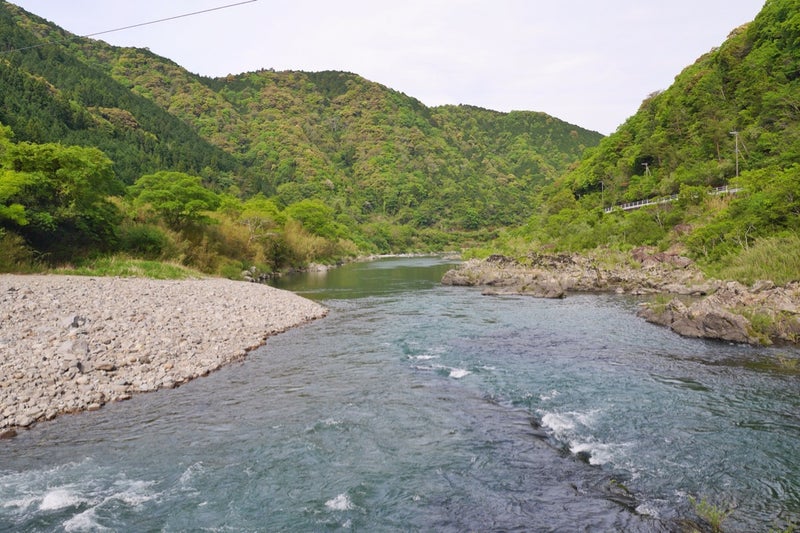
(74, 343)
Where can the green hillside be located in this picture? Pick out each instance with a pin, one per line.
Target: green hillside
(369, 152)
(749, 85)
(330, 163)
(736, 109)
(50, 94)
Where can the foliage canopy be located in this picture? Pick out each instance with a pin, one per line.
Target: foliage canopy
(280, 168)
(178, 198)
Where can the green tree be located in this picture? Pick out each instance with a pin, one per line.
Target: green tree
(178, 198)
(11, 183)
(261, 217)
(316, 218)
(56, 196)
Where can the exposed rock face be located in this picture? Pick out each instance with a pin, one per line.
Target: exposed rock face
(71, 343)
(761, 314)
(553, 275)
(501, 275)
(729, 311)
(701, 320)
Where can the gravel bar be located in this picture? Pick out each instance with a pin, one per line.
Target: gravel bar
(74, 343)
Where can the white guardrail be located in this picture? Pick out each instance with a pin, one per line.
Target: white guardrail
(666, 199)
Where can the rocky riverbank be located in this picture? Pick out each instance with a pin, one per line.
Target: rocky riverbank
(72, 343)
(760, 314)
(725, 310)
(554, 275)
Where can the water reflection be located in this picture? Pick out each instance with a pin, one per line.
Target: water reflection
(368, 278)
(416, 407)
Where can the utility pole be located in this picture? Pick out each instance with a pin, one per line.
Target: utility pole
(736, 150)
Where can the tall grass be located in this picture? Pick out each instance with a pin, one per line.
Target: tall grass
(125, 267)
(714, 514)
(15, 255)
(774, 258)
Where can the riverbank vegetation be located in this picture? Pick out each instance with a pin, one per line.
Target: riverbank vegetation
(118, 152)
(730, 119)
(263, 169)
(65, 205)
(126, 267)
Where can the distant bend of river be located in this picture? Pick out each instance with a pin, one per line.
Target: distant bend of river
(419, 407)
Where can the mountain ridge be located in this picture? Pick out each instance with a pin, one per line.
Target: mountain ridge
(362, 147)
(730, 118)
(391, 174)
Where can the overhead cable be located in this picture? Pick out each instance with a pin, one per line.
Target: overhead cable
(59, 41)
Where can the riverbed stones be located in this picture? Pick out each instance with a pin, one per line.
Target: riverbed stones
(760, 314)
(715, 309)
(554, 275)
(71, 343)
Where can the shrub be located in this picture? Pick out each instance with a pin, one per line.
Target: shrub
(714, 514)
(15, 254)
(774, 258)
(145, 241)
(231, 270)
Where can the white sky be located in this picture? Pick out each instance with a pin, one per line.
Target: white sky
(589, 62)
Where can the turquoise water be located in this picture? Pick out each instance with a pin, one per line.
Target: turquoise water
(419, 407)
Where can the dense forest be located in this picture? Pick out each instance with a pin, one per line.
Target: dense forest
(732, 118)
(275, 169)
(325, 155)
(50, 95)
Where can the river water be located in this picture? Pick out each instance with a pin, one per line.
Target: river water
(419, 407)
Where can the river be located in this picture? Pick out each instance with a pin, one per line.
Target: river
(419, 407)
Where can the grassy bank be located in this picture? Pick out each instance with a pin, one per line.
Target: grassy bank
(127, 268)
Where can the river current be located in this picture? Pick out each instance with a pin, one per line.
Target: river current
(419, 407)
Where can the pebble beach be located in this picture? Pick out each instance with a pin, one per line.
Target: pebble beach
(74, 343)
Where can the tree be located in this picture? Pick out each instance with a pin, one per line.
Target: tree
(56, 196)
(178, 198)
(261, 217)
(11, 183)
(316, 218)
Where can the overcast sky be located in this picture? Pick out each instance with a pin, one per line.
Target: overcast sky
(589, 62)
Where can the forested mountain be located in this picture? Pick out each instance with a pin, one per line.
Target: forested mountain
(685, 135)
(367, 151)
(263, 169)
(739, 102)
(50, 94)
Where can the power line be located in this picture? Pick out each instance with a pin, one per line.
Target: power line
(59, 41)
(170, 18)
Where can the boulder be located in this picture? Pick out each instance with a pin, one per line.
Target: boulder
(649, 258)
(728, 310)
(713, 323)
(702, 319)
(551, 289)
(729, 313)
(545, 288)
